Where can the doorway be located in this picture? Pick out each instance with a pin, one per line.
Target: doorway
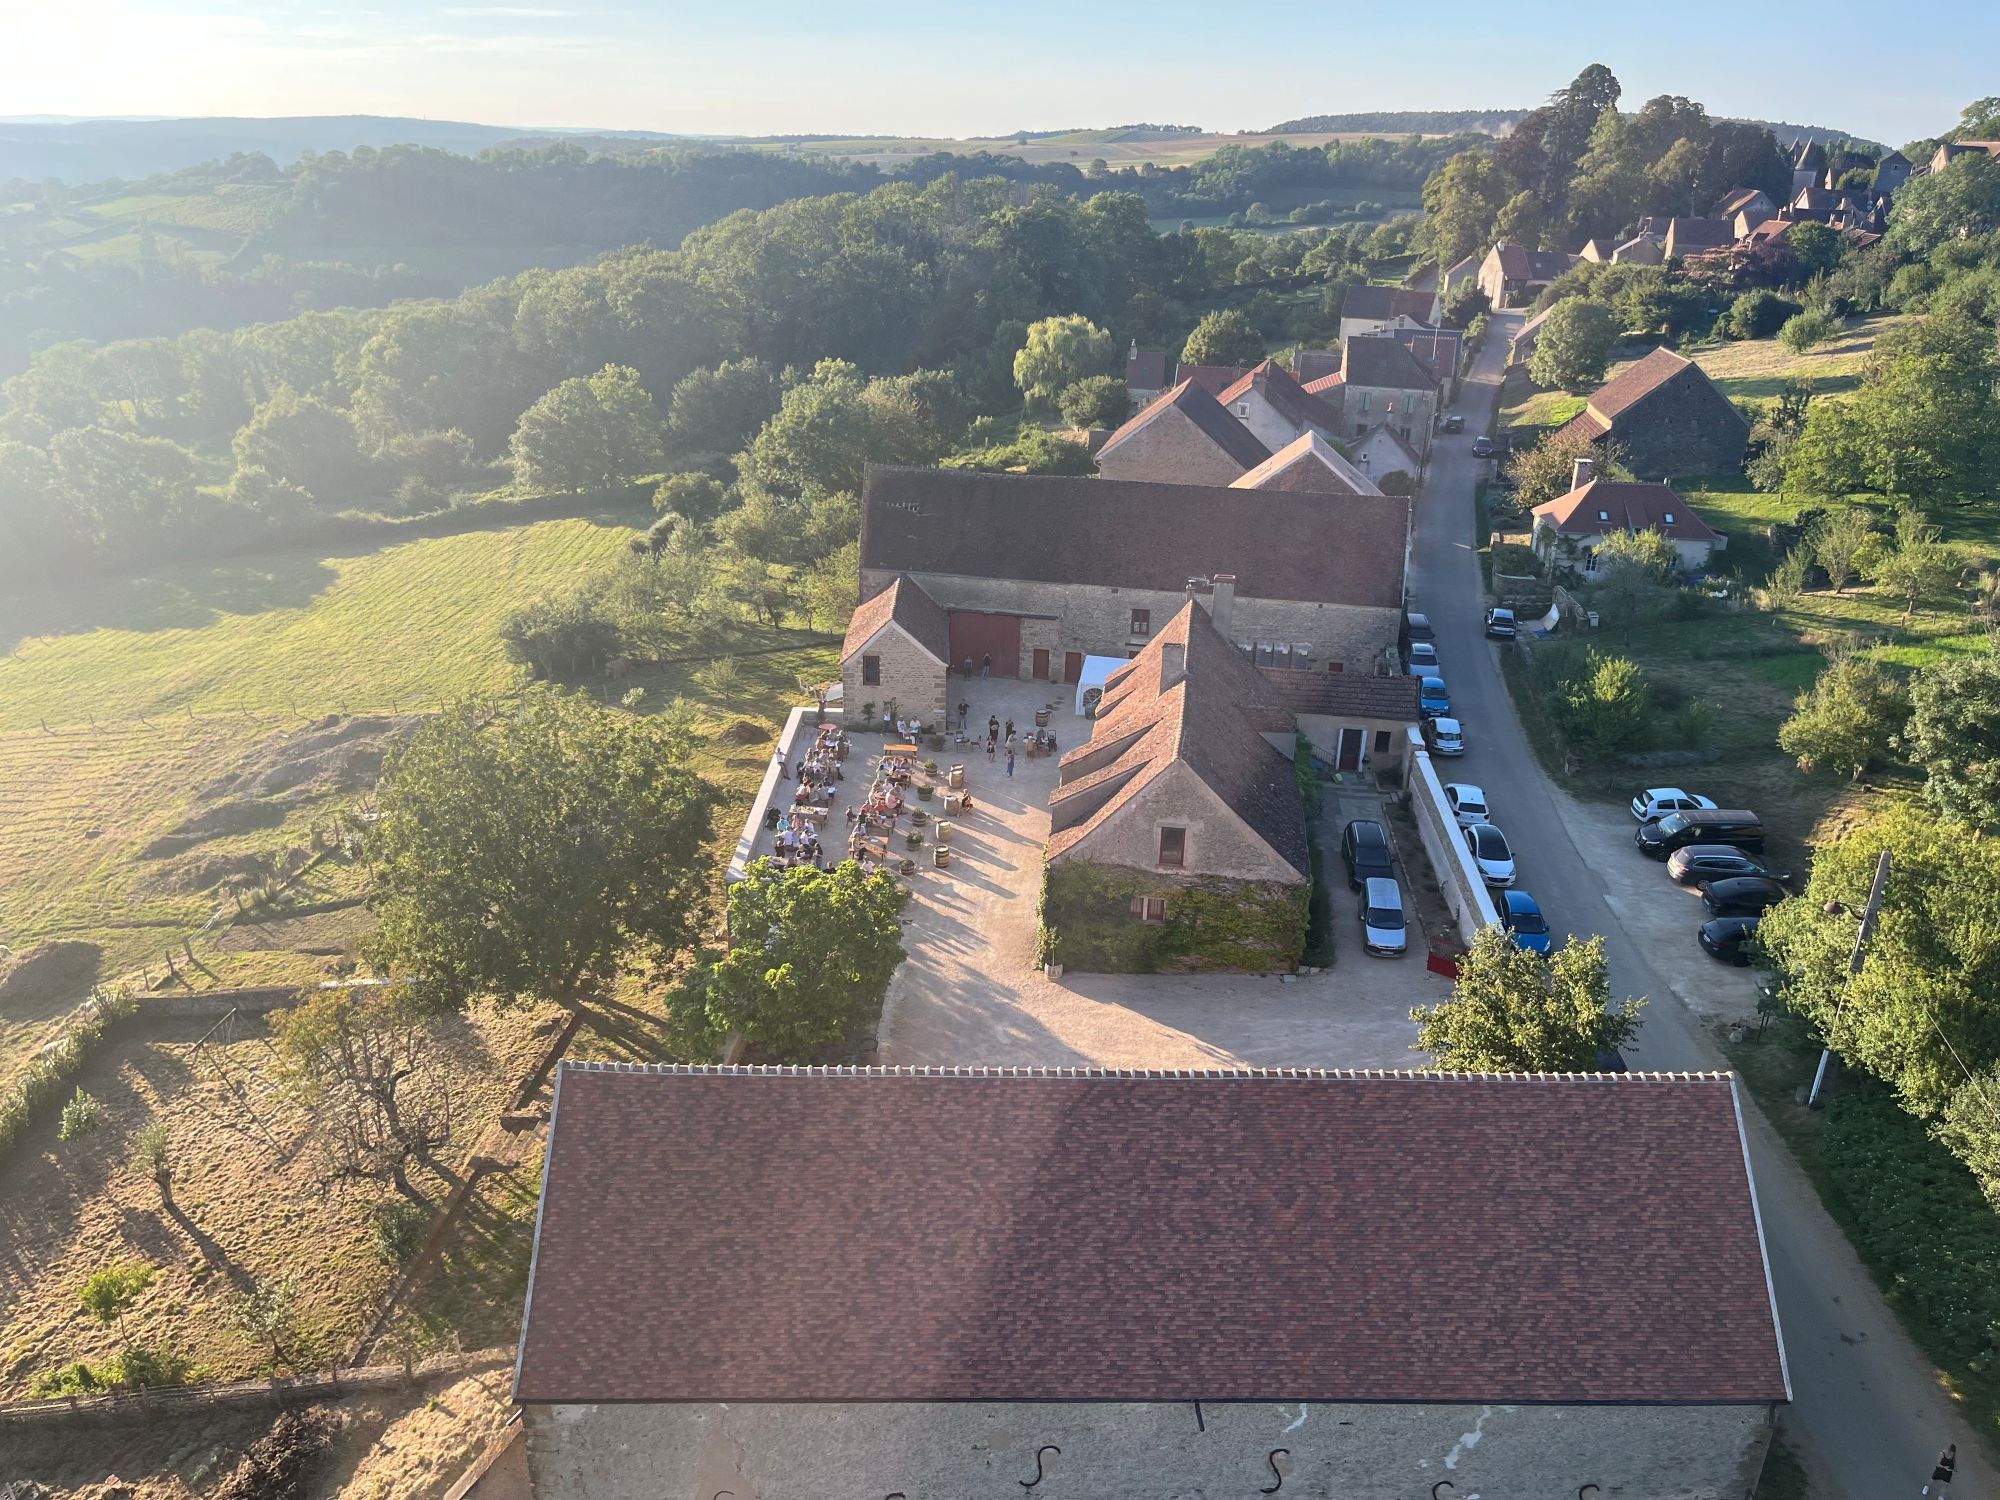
(1041, 664)
(1352, 742)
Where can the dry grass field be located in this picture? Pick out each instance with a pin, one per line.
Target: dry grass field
(1118, 151)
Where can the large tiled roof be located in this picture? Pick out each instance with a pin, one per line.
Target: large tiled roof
(1146, 369)
(1436, 349)
(1205, 715)
(1634, 385)
(716, 1234)
(1383, 362)
(904, 602)
(1626, 507)
(1698, 234)
(1275, 384)
(1056, 528)
(1211, 378)
(1519, 263)
(1385, 302)
(1308, 462)
(1206, 413)
(1346, 694)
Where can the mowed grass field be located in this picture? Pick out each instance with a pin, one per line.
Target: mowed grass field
(1118, 150)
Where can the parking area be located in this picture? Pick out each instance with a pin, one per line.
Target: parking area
(970, 994)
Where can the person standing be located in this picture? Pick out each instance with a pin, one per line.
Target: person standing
(986, 665)
(993, 727)
(990, 743)
(1010, 731)
(1947, 1465)
(964, 708)
(1010, 760)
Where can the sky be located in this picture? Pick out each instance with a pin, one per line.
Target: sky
(891, 68)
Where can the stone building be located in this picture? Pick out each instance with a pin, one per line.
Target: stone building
(1310, 463)
(794, 1283)
(1369, 309)
(1276, 408)
(1039, 571)
(1177, 838)
(1183, 437)
(1513, 275)
(895, 655)
(1669, 418)
(1381, 381)
(1354, 722)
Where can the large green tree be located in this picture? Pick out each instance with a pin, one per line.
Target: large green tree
(1462, 200)
(304, 441)
(835, 422)
(1574, 345)
(1058, 353)
(1954, 735)
(717, 411)
(1846, 720)
(589, 433)
(1512, 1011)
(1225, 336)
(524, 853)
(810, 958)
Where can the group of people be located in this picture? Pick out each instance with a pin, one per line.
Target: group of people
(815, 772)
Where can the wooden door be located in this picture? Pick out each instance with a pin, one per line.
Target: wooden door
(1041, 664)
(1072, 666)
(1351, 742)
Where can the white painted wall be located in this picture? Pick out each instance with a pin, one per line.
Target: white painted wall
(1464, 892)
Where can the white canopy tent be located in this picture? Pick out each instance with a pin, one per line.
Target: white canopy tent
(1090, 686)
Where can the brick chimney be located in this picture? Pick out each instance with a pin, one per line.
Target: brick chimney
(1581, 473)
(1222, 603)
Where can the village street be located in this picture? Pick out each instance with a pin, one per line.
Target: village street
(1869, 1412)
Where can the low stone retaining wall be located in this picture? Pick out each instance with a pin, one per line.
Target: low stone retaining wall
(1464, 892)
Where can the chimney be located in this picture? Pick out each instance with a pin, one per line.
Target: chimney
(1222, 603)
(1173, 663)
(1580, 473)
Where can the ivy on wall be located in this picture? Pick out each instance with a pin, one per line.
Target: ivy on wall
(1212, 923)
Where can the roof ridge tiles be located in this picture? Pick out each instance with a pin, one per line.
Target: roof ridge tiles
(1070, 1070)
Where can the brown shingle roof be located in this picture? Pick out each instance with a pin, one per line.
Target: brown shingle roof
(1308, 462)
(1146, 369)
(1385, 302)
(1206, 717)
(1626, 507)
(1384, 362)
(1436, 349)
(1519, 263)
(779, 1234)
(1346, 694)
(1274, 383)
(905, 602)
(1636, 384)
(1059, 528)
(1211, 378)
(1685, 234)
(1206, 413)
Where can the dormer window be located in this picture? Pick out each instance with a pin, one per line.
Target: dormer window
(1668, 517)
(1604, 515)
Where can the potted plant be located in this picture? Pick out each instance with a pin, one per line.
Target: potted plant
(923, 794)
(913, 839)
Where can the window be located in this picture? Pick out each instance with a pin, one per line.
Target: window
(1360, 430)
(1243, 408)
(1336, 666)
(1173, 846)
(1668, 517)
(1150, 908)
(1381, 742)
(1301, 650)
(1142, 622)
(1604, 515)
(871, 671)
(1365, 396)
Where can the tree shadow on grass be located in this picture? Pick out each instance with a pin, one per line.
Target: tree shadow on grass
(188, 597)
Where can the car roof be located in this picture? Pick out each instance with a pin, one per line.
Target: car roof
(1520, 903)
(1416, 615)
(1480, 830)
(1712, 851)
(1742, 884)
(1367, 828)
(1439, 681)
(1501, 610)
(1462, 787)
(1445, 725)
(1736, 924)
(1657, 792)
(1382, 891)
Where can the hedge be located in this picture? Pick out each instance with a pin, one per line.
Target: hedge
(1211, 923)
(50, 1076)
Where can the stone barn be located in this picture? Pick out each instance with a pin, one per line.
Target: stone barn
(790, 1284)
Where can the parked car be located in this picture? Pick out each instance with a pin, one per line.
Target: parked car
(1419, 627)
(1365, 848)
(1468, 802)
(1454, 423)
(1500, 624)
(1700, 863)
(1735, 826)
(1423, 654)
(1482, 447)
(1741, 896)
(1382, 918)
(1524, 921)
(1728, 938)
(1491, 854)
(1658, 801)
(1432, 699)
(1444, 736)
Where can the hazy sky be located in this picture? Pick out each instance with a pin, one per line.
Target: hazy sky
(892, 68)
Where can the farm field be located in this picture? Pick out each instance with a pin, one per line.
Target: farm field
(1119, 149)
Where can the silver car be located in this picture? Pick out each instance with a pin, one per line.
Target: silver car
(1382, 927)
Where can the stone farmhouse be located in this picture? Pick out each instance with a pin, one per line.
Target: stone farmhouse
(1177, 838)
(896, 652)
(793, 1283)
(1669, 418)
(1275, 408)
(1182, 437)
(1381, 451)
(1035, 572)
(1579, 521)
(1309, 463)
(1373, 309)
(1382, 381)
(1513, 275)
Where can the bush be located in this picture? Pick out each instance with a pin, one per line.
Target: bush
(396, 1228)
(44, 1079)
(1397, 483)
(1319, 949)
(1807, 331)
(558, 638)
(80, 1116)
(1097, 401)
(1759, 314)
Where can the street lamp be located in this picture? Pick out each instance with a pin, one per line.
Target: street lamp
(1860, 957)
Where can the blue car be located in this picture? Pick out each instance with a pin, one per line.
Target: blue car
(1524, 921)
(1432, 700)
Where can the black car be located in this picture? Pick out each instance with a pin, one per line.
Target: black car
(1738, 827)
(1365, 847)
(1500, 624)
(1728, 938)
(1699, 863)
(1742, 896)
(1482, 447)
(1454, 423)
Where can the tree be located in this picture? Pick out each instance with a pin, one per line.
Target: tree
(1759, 314)
(1649, 550)
(1464, 302)
(1548, 470)
(1919, 568)
(1520, 222)
(269, 1313)
(1512, 1011)
(525, 856)
(304, 441)
(1462, 199)
(109, 1294)
(561, 637)
(812, 956)
(1815, 248)
(1058, 353)
(1627, 590)
(1954, 734)
(1574, 345)
(595, 432)
(1225, 336)
(693, 496)
(366, 1065)
(1808, 330)
(831, 587)
(719, 410)
(1033, 450)
(1933, 969)
(1605, 707)
(1846, 720)
(834, 422)
(1838, 540)
(150, 1159)
(1099, 401)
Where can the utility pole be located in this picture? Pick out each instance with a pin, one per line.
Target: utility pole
(1854, 964)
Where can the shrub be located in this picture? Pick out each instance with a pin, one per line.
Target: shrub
(1319, 917)
(1759, 314)
(1095, 401)
(80, 1116)
(44, 1079)
(396, 1228)
(1807, 330)
(558, 638)
(1397, 483)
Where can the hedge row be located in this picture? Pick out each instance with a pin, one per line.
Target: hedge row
(51, 1075)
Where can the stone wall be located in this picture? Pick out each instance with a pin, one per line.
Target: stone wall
(911, 678)
(1437, 828)
(1097, 620)
(1385, 1451)
(1170, 450)
(1218, 841)
(1687, 426)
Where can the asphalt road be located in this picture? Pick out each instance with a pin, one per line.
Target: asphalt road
(1869, 1414)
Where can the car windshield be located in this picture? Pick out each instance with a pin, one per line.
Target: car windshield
(1388, 918)
(1489, 843)
(1527, 921)
(1673, 823)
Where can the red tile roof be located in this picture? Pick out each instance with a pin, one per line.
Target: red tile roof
(845, 1235)
(1629, 507)
(1274, 383)
(904, 602)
